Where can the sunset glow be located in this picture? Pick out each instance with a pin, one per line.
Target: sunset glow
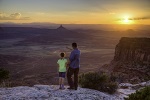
(126, 20)
(75, 11)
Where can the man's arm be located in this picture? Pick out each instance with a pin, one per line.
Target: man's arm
(72, 55)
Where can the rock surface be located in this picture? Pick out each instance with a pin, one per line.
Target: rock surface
(131, 62)
(133, 50)
(51, 92)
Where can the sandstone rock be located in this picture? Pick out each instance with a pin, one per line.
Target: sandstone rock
(46, 92)
(132, 59)
(133, 49)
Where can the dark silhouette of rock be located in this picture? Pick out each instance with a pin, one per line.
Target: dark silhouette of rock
(133, 50)
(131, 62)
(61, 28)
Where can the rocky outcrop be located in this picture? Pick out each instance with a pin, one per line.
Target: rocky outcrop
(51, 92)
(133, 50)
(131, 62)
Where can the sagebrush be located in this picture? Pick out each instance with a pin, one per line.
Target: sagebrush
(143, 94)
(98, 81)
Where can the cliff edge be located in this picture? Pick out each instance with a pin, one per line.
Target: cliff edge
(132, 59)
(51, 92)
(133, 50)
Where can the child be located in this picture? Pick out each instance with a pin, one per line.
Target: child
(62, 62)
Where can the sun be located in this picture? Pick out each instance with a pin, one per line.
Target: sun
(126, 20)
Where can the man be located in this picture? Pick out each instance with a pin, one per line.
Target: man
(74, 64)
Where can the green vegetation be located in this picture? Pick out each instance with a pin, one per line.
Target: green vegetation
(4, 75)
(98, 81)
(143, 94)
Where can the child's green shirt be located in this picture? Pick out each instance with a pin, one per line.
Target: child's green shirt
(62, 65)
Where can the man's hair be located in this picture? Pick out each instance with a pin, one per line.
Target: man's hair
(62, 54)
(74, 45)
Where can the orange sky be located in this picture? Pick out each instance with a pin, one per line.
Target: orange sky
(76, 11)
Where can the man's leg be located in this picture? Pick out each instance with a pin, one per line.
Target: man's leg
(69, 77)
(76, 71)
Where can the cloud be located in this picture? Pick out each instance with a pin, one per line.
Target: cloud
(140, 18)
(136, 18)
(14, 16)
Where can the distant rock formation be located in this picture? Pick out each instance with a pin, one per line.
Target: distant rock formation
(61, 28)
(50, 36)
(131, 62)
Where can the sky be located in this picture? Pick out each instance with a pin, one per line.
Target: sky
(76, 11)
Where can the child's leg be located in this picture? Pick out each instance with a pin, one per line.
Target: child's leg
(62, 80)
(62, 85)
(59, 82)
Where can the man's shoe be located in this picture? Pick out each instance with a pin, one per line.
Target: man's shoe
(70, 88)
(75, 88)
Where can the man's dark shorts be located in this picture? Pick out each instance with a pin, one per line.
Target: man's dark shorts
(62, 74)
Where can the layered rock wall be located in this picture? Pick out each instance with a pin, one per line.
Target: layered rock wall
(133, 50)
(131, 62)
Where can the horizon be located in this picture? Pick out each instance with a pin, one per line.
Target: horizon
(104, 27)
(126, 12)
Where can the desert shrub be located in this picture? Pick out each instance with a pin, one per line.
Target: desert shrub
(111, 87)
(143, 94)
(4, 74)
(97, 81)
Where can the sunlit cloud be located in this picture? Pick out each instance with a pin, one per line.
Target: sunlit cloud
(136, 18)
(76, 11)
(14, 16)
(140, 18)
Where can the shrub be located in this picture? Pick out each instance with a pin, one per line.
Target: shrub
(143, 94)
(4, 74)
(97, 81)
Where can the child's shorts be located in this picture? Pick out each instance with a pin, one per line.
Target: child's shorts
(62, 74)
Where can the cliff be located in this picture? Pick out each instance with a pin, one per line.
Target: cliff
(131, 62)
(133, 50)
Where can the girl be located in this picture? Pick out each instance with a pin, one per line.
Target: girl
(62, 62)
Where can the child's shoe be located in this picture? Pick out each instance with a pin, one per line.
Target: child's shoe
(62, 86)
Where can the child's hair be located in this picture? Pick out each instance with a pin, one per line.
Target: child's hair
(62, 54)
